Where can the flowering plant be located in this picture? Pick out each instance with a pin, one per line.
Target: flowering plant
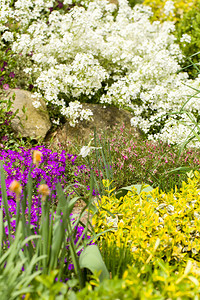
(98, 52)
(57, 240)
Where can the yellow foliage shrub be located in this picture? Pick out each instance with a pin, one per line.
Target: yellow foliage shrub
(153, 224)
(180, 7)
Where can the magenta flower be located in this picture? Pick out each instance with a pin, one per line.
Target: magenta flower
(12, 75)
(60, 4)
(6, 86)
(5, 138)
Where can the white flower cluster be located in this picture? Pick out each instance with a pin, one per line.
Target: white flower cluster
(74, 112)
(169, 8)
(114, 54)
(7, 36)
(36, 104)
(186, 38)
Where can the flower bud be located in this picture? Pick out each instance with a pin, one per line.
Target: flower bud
(37, 157)
(15, 187)
(43, 190)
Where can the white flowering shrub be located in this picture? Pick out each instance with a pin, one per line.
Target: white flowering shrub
(98, 52)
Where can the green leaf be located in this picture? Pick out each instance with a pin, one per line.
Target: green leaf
(91, 259)
(139, 188)
(180, 170)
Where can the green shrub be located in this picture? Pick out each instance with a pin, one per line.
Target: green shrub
(164, 225)
(157, 280)
(161, 232)
(190, 24)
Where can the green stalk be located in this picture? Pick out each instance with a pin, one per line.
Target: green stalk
(75, 259)
(18, 214)
(5, 200)
(64, 210)
(44, 233)
(24, 225)
(30, 193)
(1, 231)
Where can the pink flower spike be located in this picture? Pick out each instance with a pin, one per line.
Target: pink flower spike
(6, 86)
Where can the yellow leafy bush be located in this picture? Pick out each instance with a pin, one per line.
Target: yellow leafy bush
(154, 225)
(159, 12)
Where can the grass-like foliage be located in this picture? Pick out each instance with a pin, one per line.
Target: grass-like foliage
(134, 160)
(55, 243)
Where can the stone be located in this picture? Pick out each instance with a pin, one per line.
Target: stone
(103, 119)
(35, 122)
(114, 1)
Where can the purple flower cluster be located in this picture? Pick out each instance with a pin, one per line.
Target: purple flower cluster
(8, 75)
(51, 170)
(58, 5)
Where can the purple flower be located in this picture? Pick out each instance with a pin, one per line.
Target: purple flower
(60, 4)
(5, 138)
(6, 86)
(71, 267)
(30, 87)
(6, 122)
(12, 75)
(1, 79)
(9, 113)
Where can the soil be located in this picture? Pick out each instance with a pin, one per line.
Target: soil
(79, 205)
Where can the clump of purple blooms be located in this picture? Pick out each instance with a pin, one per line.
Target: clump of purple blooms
(51, 170)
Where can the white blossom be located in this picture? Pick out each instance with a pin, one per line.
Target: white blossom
(85, 150)
(7, 36)
(36, 104)
(169, 8)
